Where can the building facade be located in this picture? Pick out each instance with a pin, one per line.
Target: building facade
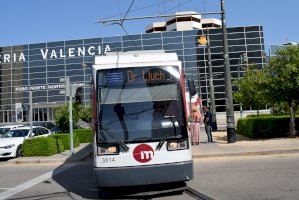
(38, 67)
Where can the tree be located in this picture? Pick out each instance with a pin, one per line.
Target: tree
(249, 89)
(78, 96)
(282, 80)
(62, 116)
(85, 114)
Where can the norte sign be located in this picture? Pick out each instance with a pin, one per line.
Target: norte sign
(44, 87)
(57, 53)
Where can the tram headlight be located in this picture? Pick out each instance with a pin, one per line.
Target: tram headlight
(173, 145)
(108, 150)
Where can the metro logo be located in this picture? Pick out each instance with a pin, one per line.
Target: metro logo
(143, 153)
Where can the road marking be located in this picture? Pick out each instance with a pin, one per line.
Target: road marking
(12, 191)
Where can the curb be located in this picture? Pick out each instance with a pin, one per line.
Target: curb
(44, 160)
(80, 159)
(246, 153)
(35, 161)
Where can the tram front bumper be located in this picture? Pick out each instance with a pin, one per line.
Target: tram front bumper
(144, 175)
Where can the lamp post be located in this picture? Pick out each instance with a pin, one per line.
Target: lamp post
(239, 66)
(211, 85)
(230, 120)
(69, 92)
(37, 111)
(199, 84)
(30, 110)
(54, 103)
(84, 68)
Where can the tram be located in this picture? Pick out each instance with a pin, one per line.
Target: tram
(140, 119)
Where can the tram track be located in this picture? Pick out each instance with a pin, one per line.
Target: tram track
(196, 194)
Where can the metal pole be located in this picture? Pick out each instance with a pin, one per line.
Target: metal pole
(206, 80)
(240, 62)
(211, 85)
(71, 126)
(70, 117)
(199, 84)
(30, 110)
(84, 87)
(230, 120)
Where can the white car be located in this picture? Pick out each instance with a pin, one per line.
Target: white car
(11, 142)
(6, 128)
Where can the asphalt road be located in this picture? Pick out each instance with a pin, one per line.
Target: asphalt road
(252, 177)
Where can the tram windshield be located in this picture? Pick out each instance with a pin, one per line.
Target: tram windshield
(140, 104)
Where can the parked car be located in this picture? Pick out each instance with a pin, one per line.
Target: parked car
(6, 128)
(11, 142)
(47, 124)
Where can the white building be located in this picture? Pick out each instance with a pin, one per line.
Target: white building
(183, 21)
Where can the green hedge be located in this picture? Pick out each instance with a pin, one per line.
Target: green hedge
(260, 115)
(59, 144)
(42, 146)
(65, 139)
(84, 135)
(265, 127)
(47, 146)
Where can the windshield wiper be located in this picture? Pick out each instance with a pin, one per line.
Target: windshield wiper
(161, 142)
(123, 145)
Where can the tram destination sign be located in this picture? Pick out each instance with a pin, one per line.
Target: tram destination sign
(137, 76)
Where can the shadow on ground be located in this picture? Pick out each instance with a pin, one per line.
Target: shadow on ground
(79, 179)
(221, 136)
(4, 159)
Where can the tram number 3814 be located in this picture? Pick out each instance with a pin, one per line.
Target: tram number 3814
(108, 160)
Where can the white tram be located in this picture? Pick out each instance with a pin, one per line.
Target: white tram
(140, 120)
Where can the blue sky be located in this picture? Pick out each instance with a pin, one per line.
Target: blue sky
(34, 21)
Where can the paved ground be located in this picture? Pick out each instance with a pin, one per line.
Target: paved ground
(254, 177)
(243, 146)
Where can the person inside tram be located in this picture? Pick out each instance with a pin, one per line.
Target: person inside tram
(158, 117)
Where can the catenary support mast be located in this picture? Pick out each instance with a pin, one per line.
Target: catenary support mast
(230, 120)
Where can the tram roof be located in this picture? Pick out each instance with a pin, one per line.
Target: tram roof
(136, 58)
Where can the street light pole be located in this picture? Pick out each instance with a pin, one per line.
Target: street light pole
(211, 85)
(239, 65)
(30, 110)
(84, 86)
(69, 91)
(71, 122)
(230, 120)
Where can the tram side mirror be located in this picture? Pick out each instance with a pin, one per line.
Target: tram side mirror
(191, 87)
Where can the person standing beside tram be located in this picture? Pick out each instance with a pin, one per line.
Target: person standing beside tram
(208, 124)
(195, 125)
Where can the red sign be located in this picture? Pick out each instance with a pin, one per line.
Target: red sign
(143, 153)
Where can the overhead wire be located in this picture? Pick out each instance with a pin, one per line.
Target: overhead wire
(204, 5)
(121, 23)
(175, 7)
(140, 8)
